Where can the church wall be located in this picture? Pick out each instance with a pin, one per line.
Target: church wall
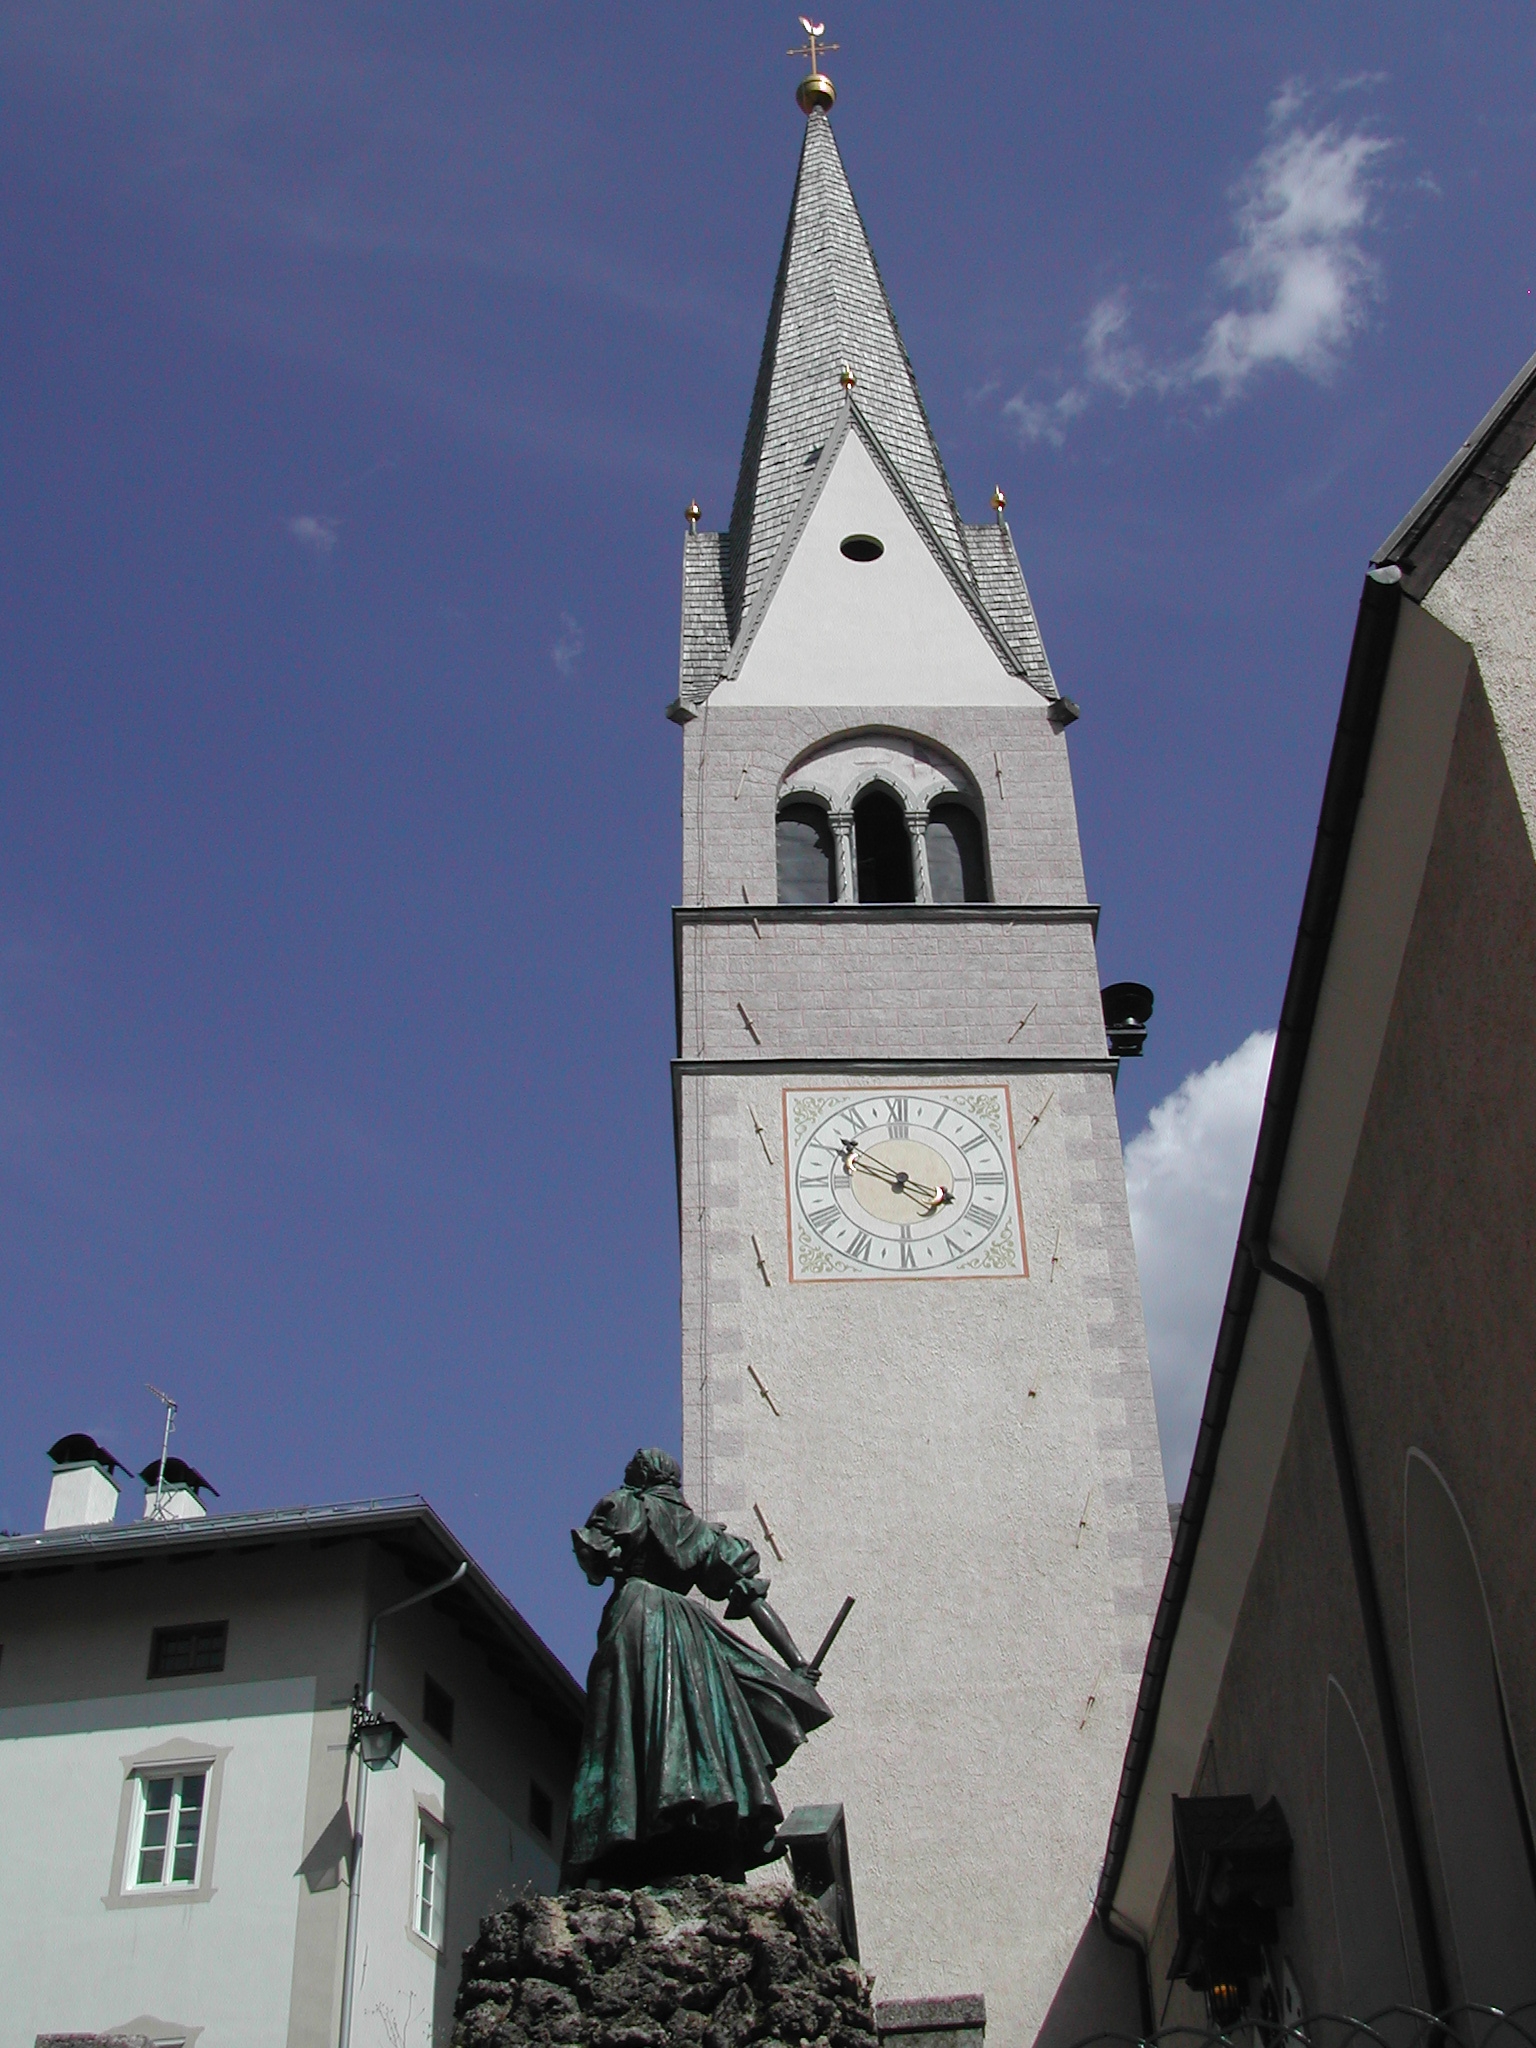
(975, 1460)
(1486, 596)
(735, 758)
(1434, 1274)
(1432, 1295)
(1299, 1627)
(819, 990)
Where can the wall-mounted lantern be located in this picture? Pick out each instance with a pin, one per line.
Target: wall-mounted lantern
(377, 1740)
(1232, 1873)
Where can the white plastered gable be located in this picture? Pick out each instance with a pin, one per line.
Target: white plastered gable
(891, 632)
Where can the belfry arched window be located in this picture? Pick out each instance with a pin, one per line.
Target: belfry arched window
(807, 859)
(957, 872)
(882, 849)
(881, 817)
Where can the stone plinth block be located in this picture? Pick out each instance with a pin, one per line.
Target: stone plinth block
(956, 2022)
(700, 1961)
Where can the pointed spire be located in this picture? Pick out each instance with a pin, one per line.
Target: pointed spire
(829, 314)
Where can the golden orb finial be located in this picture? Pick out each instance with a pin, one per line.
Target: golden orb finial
(816, 89)
(998, 500)
(691, 514)
(846, 378)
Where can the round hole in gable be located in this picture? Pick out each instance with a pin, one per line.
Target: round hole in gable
(862, 547)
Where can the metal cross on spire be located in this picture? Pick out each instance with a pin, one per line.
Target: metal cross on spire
(814, 45)
(816, 89)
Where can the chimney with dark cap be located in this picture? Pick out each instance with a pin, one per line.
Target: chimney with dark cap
(83, 1492)
(174, 1493)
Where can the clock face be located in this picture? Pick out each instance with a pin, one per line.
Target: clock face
(902, 1184)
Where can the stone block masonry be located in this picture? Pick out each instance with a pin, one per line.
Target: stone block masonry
(734, 760)
(720, 1965)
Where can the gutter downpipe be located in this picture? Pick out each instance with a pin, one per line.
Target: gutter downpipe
(355, 1886)
(1123, 1938)
(1372, 1620)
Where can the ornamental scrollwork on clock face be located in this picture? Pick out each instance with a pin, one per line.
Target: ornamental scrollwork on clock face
(902, 1184)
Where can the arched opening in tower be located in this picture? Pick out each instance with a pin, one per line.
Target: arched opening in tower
(807, 868)
(882, 849)
(957, 871)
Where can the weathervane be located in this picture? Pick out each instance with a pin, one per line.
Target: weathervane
(816, 89)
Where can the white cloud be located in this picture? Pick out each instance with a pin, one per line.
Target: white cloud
(1041, 419)
(1187, 1174)
(1109, 359)
(569, 648)
(1299, 263)
(315, 532)
(1298, 279)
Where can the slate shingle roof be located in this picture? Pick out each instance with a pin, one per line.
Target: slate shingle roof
(706, 638)
(1005, 594)
(830, 308)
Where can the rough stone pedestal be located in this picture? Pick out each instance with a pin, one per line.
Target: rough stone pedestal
(697, 1962)
(93, 2041)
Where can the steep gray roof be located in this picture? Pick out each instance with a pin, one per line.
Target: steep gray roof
(829, 308)
(706, 637)
(1000, 581)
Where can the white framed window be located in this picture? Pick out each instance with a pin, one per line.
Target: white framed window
(430, 1911)
(168, 1837)
(167, 1829)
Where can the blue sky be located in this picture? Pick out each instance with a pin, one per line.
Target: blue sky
(358, 364)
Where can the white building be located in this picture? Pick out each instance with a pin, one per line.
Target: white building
(914, 1363)
(178, 1794)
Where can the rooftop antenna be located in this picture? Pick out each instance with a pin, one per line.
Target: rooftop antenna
(165, 1445)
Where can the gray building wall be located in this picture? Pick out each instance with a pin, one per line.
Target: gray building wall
(1432, 1293)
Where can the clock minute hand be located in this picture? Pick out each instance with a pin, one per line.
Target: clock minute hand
(902, 1183)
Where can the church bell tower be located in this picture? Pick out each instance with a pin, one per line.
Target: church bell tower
(914, 1367)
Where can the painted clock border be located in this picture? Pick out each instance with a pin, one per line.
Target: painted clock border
(813, 1257)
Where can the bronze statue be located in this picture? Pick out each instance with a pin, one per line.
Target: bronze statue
(686, 1724)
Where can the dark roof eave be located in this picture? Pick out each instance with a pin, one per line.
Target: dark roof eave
(359, 1519)
(1365, 679)
(1424, 542)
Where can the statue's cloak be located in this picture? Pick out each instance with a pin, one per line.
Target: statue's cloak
(686, 1724)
